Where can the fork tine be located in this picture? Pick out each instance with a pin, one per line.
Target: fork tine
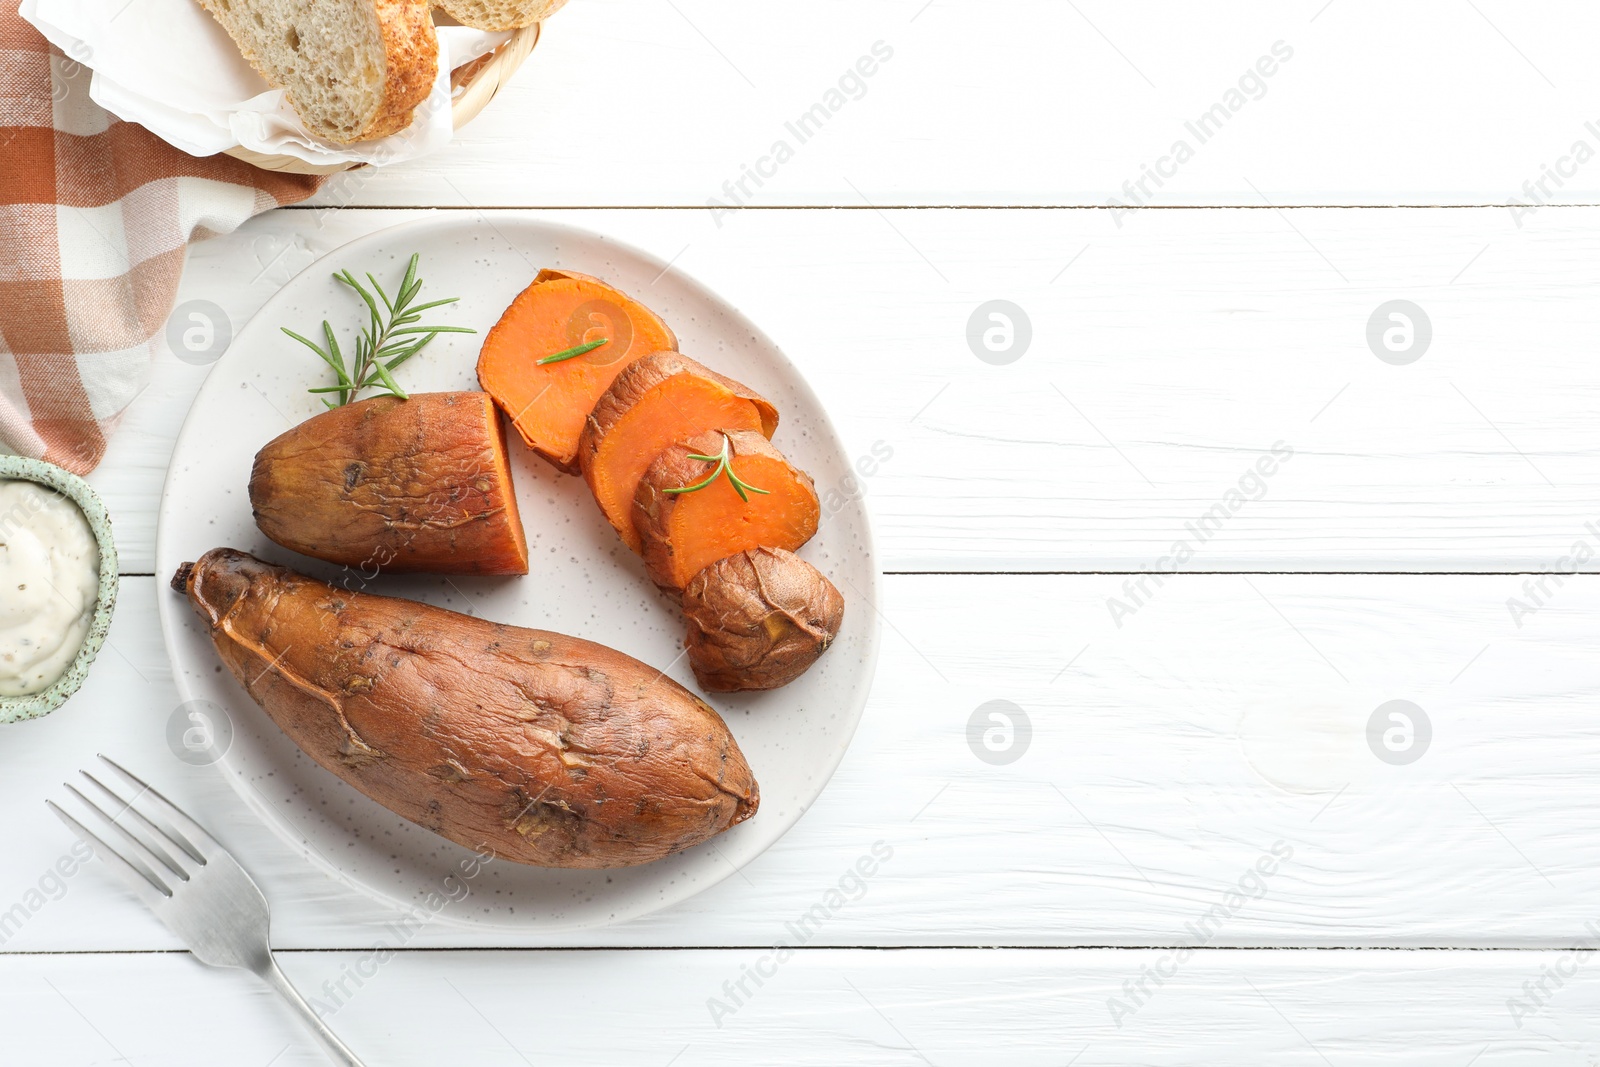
(163, 831)
(160, 839)
(140, 878)
(203, 844)
(140, 850)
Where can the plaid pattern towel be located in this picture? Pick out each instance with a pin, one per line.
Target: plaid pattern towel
(95, 215)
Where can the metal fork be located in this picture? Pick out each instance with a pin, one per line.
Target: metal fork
(193, 886)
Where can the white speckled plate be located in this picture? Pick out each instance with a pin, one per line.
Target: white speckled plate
(583, 581)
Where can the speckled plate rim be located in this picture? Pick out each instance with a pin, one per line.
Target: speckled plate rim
(172, 610)
(75, 489)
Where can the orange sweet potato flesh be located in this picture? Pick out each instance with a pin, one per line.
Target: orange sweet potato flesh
(560, 310)
(546, 749)
(684, 532)
(395, 485)
(658, 401)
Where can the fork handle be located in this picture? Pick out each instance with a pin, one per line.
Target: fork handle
(338, 1050)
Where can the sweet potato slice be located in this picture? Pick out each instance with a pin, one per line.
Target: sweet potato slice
(398, 485)
(658, 401)
(758, 620)
(547, 749)
(683, 531)
(560, 311)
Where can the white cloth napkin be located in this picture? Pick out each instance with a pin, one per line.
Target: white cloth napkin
(168, 66)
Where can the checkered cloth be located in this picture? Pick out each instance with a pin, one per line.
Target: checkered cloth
(95, 215)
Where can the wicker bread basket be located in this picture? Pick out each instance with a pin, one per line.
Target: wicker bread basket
(473, 84)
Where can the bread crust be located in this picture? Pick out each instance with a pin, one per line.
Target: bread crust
(476, 13)
(411, 65)
(411, 51)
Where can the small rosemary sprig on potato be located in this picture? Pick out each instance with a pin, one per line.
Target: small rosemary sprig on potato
(391, 337)
(740, 486)
(571, 353)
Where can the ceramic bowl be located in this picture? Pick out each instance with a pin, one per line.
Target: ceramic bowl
(74, 488)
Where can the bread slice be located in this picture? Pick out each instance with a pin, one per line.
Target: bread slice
(354, 70)
(500, 14)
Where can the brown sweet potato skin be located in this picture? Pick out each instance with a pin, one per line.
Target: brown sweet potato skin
(398, 485)
(642, 375)
(656, 509)
(758, 620)
(631, 386)
(547, 749)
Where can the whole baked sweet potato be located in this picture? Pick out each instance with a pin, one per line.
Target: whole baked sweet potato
(547, 749)
(398, 485)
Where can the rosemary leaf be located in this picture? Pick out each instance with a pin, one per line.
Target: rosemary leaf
(392, 334)
(386, 301)
(572, 353)
(411, 272)
(372, 305)
(698, 485)
(408, 353)
(429, 330)
(338, 368)
(724, 464)
(389, 383)
(430, 305)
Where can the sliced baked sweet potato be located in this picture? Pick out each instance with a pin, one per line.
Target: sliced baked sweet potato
(717, 494)
(399, 485)
(657, 401)
(530, 364)
(758, 620)
(546, 749)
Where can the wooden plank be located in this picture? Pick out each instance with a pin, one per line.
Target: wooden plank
(1222, 730)
(1167, 358)
(824, 1007)
(1034, 102)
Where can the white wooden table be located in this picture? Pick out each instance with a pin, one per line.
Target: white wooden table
(1207, 726)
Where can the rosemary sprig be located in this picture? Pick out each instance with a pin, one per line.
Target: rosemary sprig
(391, 337)
(571, 353)
(740, 486)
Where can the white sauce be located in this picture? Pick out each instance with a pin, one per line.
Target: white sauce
(49, 580)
